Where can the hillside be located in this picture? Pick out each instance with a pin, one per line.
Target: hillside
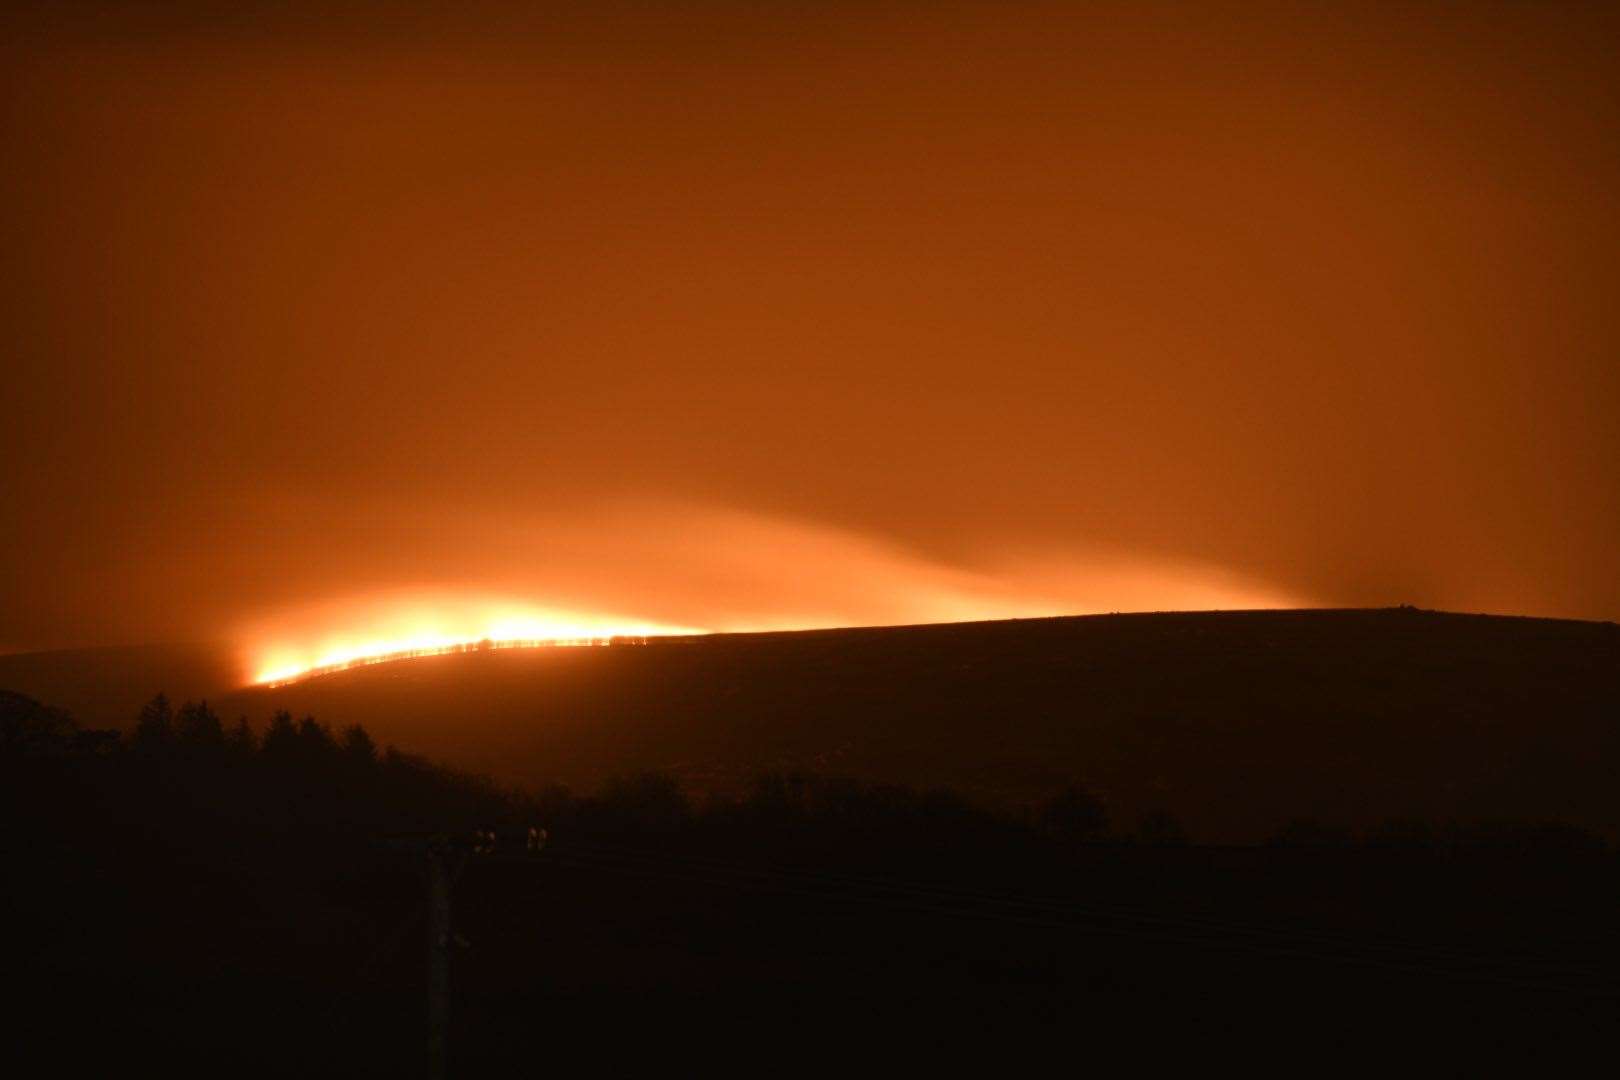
(183, 883)
(1235, 722)
(106, 687)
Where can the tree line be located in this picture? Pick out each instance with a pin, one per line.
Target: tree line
(303, 772)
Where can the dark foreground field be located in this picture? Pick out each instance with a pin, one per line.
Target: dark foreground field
(874, 846)
(199, 907)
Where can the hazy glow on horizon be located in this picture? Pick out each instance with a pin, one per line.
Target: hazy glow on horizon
(1155, 306)
(694, 570)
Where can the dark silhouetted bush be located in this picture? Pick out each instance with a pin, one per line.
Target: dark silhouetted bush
(1309, 833)
(28, 728)
(1403, 834)
(1074, 815)
(1161, 828)
(649, 802)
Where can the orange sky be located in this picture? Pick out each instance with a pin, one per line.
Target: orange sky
(725, 315)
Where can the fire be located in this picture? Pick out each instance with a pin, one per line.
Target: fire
(694, 571)
(427, 627)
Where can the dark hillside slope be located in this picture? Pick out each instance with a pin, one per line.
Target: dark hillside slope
(1235, 722)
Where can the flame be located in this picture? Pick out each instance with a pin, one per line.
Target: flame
(395, 631)
(700, 570)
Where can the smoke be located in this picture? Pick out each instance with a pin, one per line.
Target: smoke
(1131, 310)
(645, 567)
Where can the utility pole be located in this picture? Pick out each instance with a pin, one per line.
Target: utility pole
(447, 856)
(440, 876)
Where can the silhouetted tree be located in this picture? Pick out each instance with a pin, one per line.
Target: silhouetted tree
(28, 727)
(1539, 838)
(1075, 814)
(281, 737)
(241, 738)
(155, 725)
(1309, 833)
(651, 801)
(554, 803)
(777, 795)
(1404, 833)
(358, 747)
(314, 740)
(199, 725)
(1160, 827)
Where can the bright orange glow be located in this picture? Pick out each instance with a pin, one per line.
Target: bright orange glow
(688, 570)
(425, 626)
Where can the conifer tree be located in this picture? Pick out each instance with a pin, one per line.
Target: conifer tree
(281, 737)
(155, 724)
(199, 725)
(358, 746)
